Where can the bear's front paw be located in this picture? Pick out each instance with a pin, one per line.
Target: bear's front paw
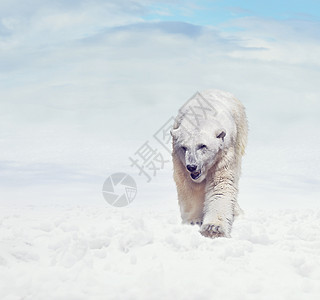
(212, 231)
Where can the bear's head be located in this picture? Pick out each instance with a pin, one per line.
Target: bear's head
(198, 148)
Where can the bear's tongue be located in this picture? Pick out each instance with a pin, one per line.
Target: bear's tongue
(195, 175)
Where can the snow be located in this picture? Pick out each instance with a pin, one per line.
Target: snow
(100, 252)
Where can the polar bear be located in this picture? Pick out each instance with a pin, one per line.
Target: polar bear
(209, 137)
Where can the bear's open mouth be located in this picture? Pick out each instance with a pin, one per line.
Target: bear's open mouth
(195, 175)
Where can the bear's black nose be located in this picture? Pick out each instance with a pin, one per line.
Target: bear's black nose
(191, 168)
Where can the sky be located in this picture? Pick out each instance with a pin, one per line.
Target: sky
(83, 84)
(216, 12)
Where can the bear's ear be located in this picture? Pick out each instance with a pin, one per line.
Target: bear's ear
(174, 132)
(221, 135)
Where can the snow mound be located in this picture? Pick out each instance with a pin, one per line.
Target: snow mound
(105, 253)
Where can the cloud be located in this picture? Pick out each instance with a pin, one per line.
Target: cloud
(291, 41)
(166, 27)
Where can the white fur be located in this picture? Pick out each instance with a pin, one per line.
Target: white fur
(211, 199)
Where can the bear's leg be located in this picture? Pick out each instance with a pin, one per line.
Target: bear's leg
(220, 200)
(191, 199)
(190, 194)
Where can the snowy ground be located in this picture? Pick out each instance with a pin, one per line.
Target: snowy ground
(106, 253)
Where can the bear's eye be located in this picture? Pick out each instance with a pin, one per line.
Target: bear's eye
(184, 148)
(202, 146)
(221, 135)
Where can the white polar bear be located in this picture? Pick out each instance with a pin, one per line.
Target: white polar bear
(209, 139)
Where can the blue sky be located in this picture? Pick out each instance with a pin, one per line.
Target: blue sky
(216, 12)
